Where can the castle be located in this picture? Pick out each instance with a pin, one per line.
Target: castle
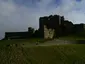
(50, 27)
(55, 26)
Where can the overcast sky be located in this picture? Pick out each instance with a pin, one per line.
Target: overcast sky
(18, 15)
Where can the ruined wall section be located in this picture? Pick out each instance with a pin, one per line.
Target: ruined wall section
(49, 26)
(42, 22)
(48, 33)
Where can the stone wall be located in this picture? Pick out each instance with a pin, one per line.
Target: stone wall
(55, 26)
(49, 25)
(48, 33)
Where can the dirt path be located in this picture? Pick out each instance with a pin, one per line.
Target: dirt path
(49, 43)
(54, 42)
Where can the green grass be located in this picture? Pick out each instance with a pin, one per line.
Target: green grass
(58, 54)
(72, 38)
(14, 41)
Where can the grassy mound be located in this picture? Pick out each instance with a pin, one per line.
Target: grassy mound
(59, 54)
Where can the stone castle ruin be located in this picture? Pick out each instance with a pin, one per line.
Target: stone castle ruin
(50, 27)
(55, 26)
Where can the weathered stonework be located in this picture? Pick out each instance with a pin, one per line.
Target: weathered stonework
(49, 26)
(51, 33)
(48, 33)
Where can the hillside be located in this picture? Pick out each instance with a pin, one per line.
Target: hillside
(55, 54)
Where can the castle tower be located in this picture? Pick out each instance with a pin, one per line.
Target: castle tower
(50, 26)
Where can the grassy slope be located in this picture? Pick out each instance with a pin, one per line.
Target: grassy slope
(59, 54)
(71, 37)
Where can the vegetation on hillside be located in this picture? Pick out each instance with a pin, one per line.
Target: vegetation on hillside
(58, 54)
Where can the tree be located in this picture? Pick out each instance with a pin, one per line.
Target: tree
(31, 31)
